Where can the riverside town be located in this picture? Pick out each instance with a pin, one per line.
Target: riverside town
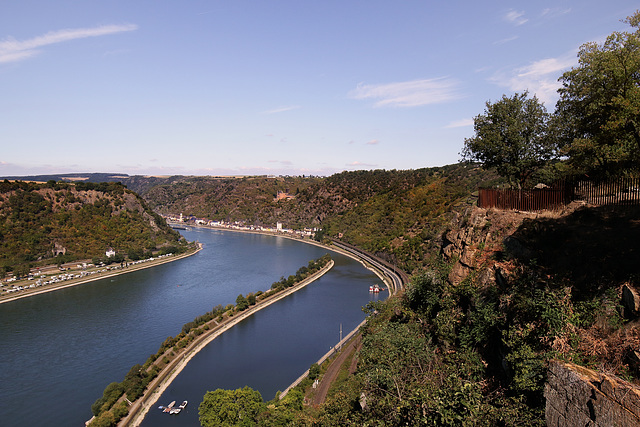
(175, 221)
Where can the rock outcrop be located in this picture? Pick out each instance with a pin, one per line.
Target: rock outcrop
(630, 300)
(462, 241)
(478, 233)
(577, 396)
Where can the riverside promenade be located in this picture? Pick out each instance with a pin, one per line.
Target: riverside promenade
(140, 407)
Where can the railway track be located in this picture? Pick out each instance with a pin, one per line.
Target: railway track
(398, 277)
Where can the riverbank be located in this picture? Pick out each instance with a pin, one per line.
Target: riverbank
(29, 292)
(381, 275)
(139, 408)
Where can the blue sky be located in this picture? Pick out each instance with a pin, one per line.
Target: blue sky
(271, 87)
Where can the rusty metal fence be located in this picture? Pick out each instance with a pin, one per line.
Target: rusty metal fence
(617, 192)
(621, 191)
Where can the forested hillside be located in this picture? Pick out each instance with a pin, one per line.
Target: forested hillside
(251, 200)
(399, 215)
(53, 223)
(395, 214)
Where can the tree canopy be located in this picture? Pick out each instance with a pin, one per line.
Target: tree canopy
(511, 136)
(238, 407)
(598, 114)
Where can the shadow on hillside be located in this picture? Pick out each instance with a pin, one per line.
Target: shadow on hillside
(592, 247)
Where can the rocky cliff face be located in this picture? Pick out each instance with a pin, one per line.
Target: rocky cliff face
(578, 396)
(478, 239)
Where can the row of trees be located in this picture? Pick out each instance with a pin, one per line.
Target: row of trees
(595, 127)
(244, 302)
(302, 273)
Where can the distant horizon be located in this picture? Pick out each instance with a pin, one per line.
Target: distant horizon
(145, 175)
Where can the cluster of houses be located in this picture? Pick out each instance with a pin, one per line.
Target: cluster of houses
(237, 225)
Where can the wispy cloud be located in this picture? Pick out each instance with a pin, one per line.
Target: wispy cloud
(361, 165)
(515, 17)
(373, 142)
(554, 12)
(539, 77)
(12, 50)
(281, 162)
(459, 123)
(282, 109)
(506, 40)
(547, 66)
(412, 93)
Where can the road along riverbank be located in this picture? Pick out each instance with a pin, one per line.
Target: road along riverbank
(98, 275)
(140, 407)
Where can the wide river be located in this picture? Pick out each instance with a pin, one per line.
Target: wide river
(59, 350)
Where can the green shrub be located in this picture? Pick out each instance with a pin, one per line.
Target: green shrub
(109, 396)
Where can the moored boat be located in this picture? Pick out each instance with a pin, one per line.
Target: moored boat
(169, 407)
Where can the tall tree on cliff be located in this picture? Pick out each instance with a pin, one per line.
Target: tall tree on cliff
(511, 136)
(598, 114)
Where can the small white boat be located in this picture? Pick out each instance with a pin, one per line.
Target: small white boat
(183, 405)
